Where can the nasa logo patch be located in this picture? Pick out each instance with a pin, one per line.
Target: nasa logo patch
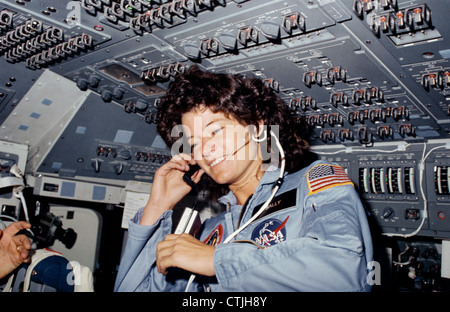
(270, 232)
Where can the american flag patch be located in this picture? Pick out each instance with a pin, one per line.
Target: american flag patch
(321, 177)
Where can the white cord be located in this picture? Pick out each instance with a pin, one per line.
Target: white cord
(17, 184)
(400, 258)
(18, 190)
(274, 191)
(266, 204)
(421, 174)
(191, 279)
(425, 201)
(352, 150)
(24, 205)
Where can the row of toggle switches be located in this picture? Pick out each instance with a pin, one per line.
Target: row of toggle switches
(358, 97)
(439, 79)
(364, 134)
(373, 115)
(106, 151)
(393, 20)
(71, 47)
(291, 24)
(39, 46)
(143, 162)
(20, 34)
(45, 40)
(143, 14)
(163, 72)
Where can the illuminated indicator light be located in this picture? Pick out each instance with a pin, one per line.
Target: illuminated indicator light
(441, 215)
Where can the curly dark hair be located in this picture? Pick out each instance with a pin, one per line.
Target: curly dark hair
(246, 99)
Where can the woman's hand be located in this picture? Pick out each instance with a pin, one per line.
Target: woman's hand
(13, 248)
(186, 252)
(168, 187)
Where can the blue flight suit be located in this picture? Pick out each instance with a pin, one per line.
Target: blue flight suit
(313, 237)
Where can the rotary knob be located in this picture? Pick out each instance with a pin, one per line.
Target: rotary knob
(388, 213)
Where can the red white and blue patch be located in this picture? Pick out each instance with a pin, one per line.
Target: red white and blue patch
(324, 176)
(215, 237)
(270, 232)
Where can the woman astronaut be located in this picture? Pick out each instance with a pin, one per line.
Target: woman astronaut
(291, 223)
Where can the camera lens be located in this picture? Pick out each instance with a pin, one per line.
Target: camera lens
(66, 236)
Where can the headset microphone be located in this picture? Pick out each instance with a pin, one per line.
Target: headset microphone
(239, 148)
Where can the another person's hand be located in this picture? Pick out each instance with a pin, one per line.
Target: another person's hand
(14, 249)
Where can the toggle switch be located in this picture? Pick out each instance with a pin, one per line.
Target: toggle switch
(293, 21)
(176, 7)
(312, 77)
(248, 33)
(385, 132)
(6, 19)
(208, 45)
(118, 169)
(96, 165)
(336, 73)
(407, 130)
(336, 98)
(345, 134)
(189, 6)
(327, 135)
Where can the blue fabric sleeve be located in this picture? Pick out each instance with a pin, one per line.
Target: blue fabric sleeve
(137, 271)
(327, 254)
